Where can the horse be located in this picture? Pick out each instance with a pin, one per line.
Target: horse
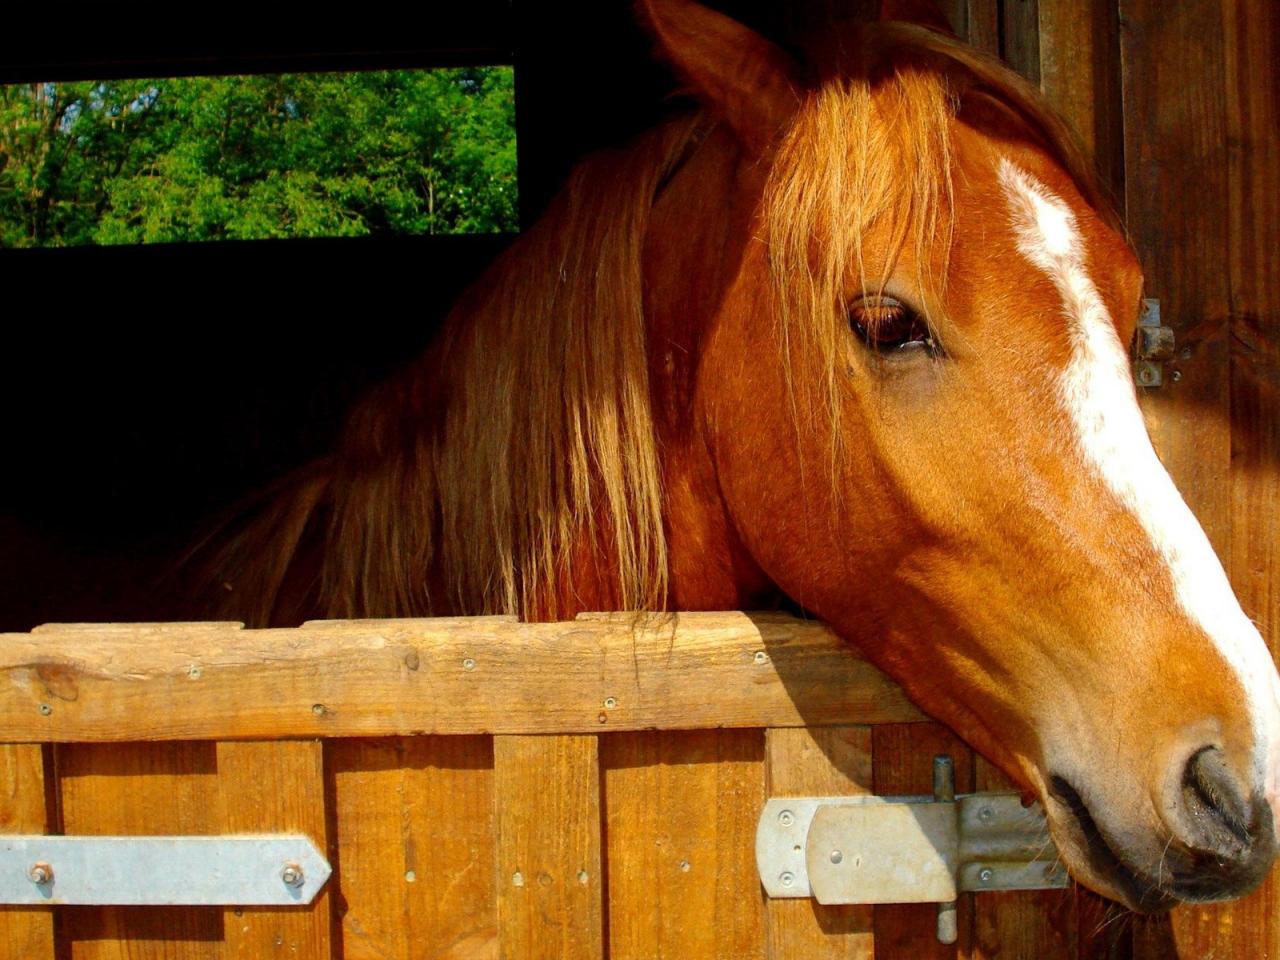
(849, 336)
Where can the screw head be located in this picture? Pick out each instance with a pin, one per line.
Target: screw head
(468, 664)
(40, 873)
(610, 702)
(836, 856)
(45, 709)
(786, 818)
(985, 814)
(986, 875)
(292, 875)
(761, 657)
(787, 878)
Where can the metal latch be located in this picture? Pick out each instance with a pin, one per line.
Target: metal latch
(161, 871)
(869, 849)
(1154, 344)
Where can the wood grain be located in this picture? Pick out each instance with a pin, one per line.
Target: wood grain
(550, 882)
(275, 787)
(680, 813)
(413, 847)
(152, 788)
(27, 932)
(826, 761)
(456, 676)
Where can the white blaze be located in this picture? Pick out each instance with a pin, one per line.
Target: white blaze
(1097, 390)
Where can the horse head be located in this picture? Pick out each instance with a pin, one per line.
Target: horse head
(892, 382)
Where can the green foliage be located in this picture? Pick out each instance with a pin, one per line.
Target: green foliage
(202, 158)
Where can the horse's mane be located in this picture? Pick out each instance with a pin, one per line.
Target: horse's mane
(463, 485)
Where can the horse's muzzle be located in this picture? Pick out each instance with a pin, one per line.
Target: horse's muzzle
(1218, 843)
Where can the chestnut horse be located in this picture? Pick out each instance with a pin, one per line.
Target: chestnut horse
(852, 335)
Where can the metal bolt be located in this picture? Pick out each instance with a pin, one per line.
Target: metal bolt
(1176, 375)
(836, 856)
(610, 702)
(786, 818)
(787, 878)
(40, 873)
(45, 709)
(517, 879)
(410, 876)
(193, 671)
(684, 866)
(1146, 376)
(761, 657)
(468, 664)
(318, 709)
(985, 875)
(292, 875)
(583, 876)
(1185, 353)
(985, 814)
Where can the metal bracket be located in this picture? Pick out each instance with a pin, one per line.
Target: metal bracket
(1154, 344)
(922, 849)
(161, 871)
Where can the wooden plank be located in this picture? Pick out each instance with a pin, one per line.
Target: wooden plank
(1080, 75)
(413, 828)
(1251, 45)
(151, 788)
(275, 788)
(680, 813)
(903, 764)
(824, 761)
(455, 676)
(28, 932)
(1031, 923)
(1020, 37)
(550, 883)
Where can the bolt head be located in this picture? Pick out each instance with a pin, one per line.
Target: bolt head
(787, 878)
(468, 664)
(292, 875)
(761, 656)
(986, 813)
(986, 874)
(836, 856)
(786, 818)
(40, 873)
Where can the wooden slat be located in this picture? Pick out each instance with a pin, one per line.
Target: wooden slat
(455, 676)
(1251, 46)
(1080, 74)
(1032, 923)
(825, 761)
(902, 756)
(681, 812)
(275, 788)
(140, 789)
(27, 932)
(550, 883)
(1020, 37)
(414, 860)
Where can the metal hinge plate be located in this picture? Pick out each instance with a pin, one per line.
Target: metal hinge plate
(1154, 344)
(919, 849)
(161, 871)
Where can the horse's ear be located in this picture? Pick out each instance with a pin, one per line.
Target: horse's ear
(925, 13)
(749, 81)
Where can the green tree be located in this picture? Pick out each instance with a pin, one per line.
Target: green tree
(290, 155)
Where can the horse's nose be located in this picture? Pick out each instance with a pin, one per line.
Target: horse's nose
(1226, 828)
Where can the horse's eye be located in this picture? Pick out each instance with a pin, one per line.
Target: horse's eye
(888, 325)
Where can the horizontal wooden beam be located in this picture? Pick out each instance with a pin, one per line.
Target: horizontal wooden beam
(602, 672)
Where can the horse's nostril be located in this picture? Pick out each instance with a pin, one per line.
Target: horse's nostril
(1215, 814)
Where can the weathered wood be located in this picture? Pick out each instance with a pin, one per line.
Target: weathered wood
(27, 932)
(1020, 36)
(828, 761)
(413, 847)
(1080, 75)
(456, 676)
(1030, 923)
(275, 787)
(680, 818)
(152, 788)
(902, 763)
(549, 878)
